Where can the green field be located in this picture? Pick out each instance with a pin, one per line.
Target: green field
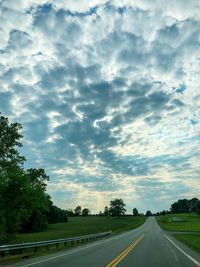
(183, 223)
(82, 226)
(187, 222)
(191, 240)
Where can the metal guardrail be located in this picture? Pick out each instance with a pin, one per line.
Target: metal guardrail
(35, 245)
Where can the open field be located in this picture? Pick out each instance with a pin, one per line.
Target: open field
(82, 226)
(186, 222)
(183, 223)
(191, 240)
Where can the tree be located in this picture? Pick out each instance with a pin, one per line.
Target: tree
(13, 182)
(23, 200)
(70, 213)
(106, 211)
(148, 213)
(57, 215)
(163, 212)
(198, 207)
(135, 212)
(77, 211)
(181, 206)
(193, 204)
(9, 140)
(85, 212)
(117, 207)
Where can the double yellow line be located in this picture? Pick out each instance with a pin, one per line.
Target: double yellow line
(124, 253)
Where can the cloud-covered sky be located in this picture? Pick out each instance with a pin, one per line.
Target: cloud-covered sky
(108, 95)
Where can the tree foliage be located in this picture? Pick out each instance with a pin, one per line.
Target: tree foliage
(77, 211)
(57, 215)
(106, 211)
(85, 212)
(135, 212)
(117, 207)
(148, 213)
(24, 203)
(186, 206)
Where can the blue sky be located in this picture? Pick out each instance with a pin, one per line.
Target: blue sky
(108, 96)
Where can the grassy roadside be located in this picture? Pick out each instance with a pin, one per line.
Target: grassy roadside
(180, 222)
(192, 240)
(183, 223)
(76, 226)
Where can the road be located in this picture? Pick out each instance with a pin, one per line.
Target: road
(146, 246)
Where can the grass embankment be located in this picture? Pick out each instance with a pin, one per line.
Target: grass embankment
(183, 223)
(78, 226)
(192, 241)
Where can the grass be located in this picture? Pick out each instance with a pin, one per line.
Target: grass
(191, 240)
(185, 222)
(76, 226)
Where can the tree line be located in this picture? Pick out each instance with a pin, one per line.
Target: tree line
(25, 205)
(186, 206)
(183, 206)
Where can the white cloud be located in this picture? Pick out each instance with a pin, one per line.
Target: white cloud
(96, 86)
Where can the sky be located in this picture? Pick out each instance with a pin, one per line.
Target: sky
(108, 96)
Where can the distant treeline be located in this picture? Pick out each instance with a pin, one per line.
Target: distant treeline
(183, 206)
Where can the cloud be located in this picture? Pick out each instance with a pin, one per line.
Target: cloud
(107, 93)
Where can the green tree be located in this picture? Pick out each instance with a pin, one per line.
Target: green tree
(9, 141)
(117, 207)
(85, 212)
(13, 182)
(135, 212)
(193, 204)
(181, 206)
(23, 200)
(57, 215)
(106, 211)
(198, 207)
(39, 201)
(148, 213)
(70, 212)
(77, 211)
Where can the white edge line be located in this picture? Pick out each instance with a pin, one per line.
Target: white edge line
(188, 256)
(85, 247)
(67, 253)
(74, 251)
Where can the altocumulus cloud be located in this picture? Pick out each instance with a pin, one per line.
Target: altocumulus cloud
(107, 92)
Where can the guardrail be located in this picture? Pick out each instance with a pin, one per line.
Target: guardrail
(21, 247)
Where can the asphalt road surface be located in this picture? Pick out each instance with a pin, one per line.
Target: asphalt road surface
(146, 246)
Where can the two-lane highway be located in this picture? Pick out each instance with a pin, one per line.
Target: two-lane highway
(145, 246)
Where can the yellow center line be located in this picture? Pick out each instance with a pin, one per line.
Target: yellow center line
(124, 253)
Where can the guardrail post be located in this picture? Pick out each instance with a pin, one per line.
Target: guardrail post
(47, 247)
(65, 244)
(2, 254)
(35, 249)
(57, 245)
